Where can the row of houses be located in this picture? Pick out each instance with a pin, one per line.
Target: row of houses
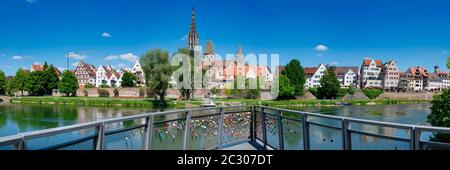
(106, 75)
(376, 74)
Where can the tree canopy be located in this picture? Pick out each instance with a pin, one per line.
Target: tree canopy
(157, 71)
(285, 88)
(3, 83)
(128, 80)
(296, 75)
(68, 84)
(329, 85)
(440, 114)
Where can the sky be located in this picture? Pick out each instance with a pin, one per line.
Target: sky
(116, 32)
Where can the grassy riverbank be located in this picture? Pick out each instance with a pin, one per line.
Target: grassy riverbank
(121, 102)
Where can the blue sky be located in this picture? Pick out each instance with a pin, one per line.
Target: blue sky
(411, 32)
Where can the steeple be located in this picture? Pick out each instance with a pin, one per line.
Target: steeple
(239, 56)
(209, 49)
(192, 35)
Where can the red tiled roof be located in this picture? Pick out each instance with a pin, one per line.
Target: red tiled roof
(37, 67)
(368, 61)
(421, 70)
(310, 70)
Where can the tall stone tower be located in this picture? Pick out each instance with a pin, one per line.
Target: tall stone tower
(209, 56)
(192, 35)
(239, 56)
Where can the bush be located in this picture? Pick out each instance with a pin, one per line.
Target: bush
(89, 85)
(440, 115)
(342, 93)
(141, 92)
(352, 89)
(116, 92)
(103, 93)
(372, 93)
(314, 91)
(86, 93)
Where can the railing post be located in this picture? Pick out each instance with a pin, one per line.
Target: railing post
(263, 124)
(416, 138)
(21, 145)
(280, 131)
(346, 136)
(253, 125)
(305, 127)
(100, 139)
(220, 129)
(148, 133)
(186, 130)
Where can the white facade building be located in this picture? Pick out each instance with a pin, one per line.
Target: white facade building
(313, 75)
(370, 73)
(139, 73)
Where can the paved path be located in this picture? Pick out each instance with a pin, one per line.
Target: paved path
(244, 146)
(4, 99)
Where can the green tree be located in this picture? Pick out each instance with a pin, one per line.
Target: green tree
(20, 79)
(215, 91)
(35, 83)
(448, 62)
(252, 93)
(68, 84)
(2, 83)
(285, 87)
(372, 93)
(329, 85)
(352, 89)
(128, 80)
(157, 71)
(50, 78)
(440, 115)
(296, 75)
(11, 87)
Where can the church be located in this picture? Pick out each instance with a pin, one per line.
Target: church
(222, 73)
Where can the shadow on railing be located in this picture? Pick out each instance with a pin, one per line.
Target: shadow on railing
(221, 127)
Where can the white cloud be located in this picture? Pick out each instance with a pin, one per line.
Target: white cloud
(76, 56)
(129, 57)
(321, 48)
(121, 65)
(75, 64)
(106, 35)
(111, 57)
(17, 57)
(30, 1)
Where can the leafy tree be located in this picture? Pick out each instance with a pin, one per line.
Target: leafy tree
(2, 83)
(372, 93)
(252, 93)
(314, 91)
(35, 83)
(20, 79)
(440, 115)
(352, 89)
(285, 87)
(329, 85)
(296, 75)
(116, 92)
(215, 91)
(448, 62)
(50, 78)
(128, 80)
(11, 87)
(68, 84)
(157, 71)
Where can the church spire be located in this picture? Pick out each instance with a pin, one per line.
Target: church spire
(193, 35)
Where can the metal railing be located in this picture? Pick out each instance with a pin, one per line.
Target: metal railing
(220, 127)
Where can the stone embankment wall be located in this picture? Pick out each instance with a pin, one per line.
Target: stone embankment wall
(143, 92)
(407, 95)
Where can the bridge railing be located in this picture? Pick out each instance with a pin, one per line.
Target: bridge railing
(284, 129)
(220, 127)
(208, 128)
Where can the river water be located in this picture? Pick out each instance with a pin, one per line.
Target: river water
(16, 118)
